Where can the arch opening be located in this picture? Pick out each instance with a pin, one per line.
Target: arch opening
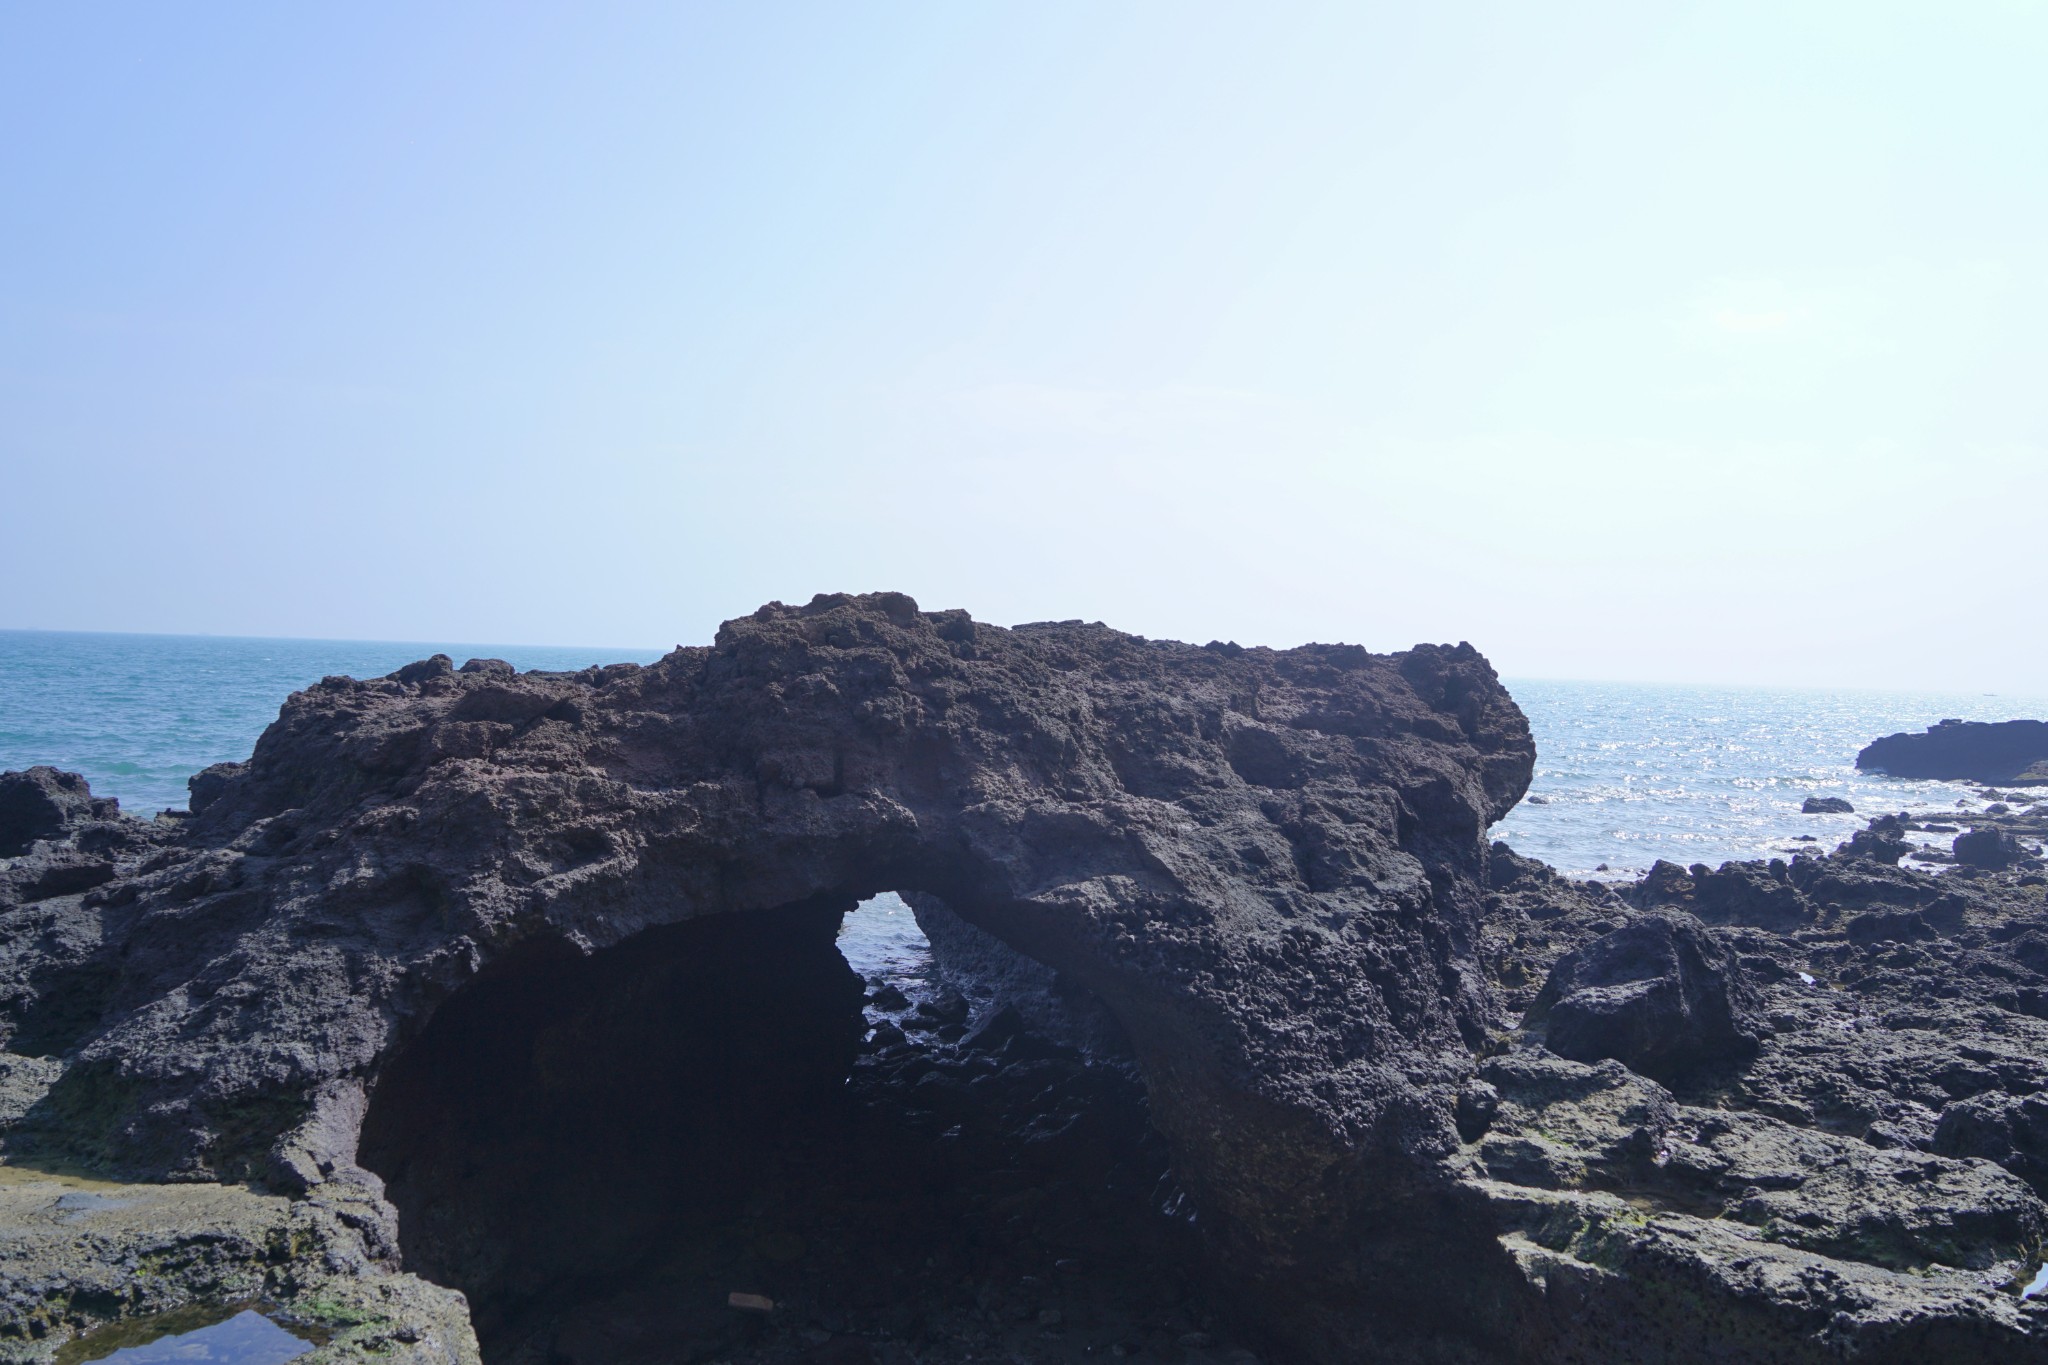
(915, 1143)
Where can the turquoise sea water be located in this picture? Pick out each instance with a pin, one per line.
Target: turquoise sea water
(138, 714)
(1626, 773)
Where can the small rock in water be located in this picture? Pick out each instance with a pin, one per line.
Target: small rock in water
(1826, 805)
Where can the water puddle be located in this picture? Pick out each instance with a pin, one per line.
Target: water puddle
(209, 1334)
(13, 1174)
(2039, 1284)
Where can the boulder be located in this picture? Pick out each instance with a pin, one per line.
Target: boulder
(1659, 995)
(1882, 841)
(2011, 1130)
(1993, 848)
(42, 803)
(1826, 805)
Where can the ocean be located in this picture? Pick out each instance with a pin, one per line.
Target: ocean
(138, 714)
(1626, 773)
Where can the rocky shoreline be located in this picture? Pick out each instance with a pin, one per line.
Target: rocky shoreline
(484, 1015)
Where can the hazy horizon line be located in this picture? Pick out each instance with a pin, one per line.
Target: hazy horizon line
(1509, 678)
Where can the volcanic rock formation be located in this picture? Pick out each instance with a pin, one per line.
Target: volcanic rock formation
(2004, 753)
(530, 979)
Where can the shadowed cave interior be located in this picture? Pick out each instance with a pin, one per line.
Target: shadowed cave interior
(922, 1164)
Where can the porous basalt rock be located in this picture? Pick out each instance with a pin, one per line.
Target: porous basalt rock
(1886, 1123)
(1998, 1125)
(1260, 877)
(1993, 848)
(1265, 864)
(43, 803)
(1659, 995)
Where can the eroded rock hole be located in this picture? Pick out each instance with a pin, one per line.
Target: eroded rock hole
(943, 1155)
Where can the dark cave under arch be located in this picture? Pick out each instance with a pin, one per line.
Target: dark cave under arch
(598, 1147)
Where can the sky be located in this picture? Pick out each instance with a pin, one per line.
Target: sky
(1633, 341)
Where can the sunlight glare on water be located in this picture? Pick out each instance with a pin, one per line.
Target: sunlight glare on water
(1630, 773)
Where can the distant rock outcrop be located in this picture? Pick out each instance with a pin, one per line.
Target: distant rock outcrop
(2011, 753)
(1826, 805)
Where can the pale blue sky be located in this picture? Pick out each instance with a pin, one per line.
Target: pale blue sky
(1701, 343)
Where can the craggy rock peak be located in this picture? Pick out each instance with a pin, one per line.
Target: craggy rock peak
(483, 932)
(2009, 753)
(41, 804)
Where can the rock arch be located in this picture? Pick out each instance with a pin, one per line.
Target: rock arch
(1268, 866)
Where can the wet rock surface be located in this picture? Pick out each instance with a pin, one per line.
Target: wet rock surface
(1243, 1043)
(76, 1253)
